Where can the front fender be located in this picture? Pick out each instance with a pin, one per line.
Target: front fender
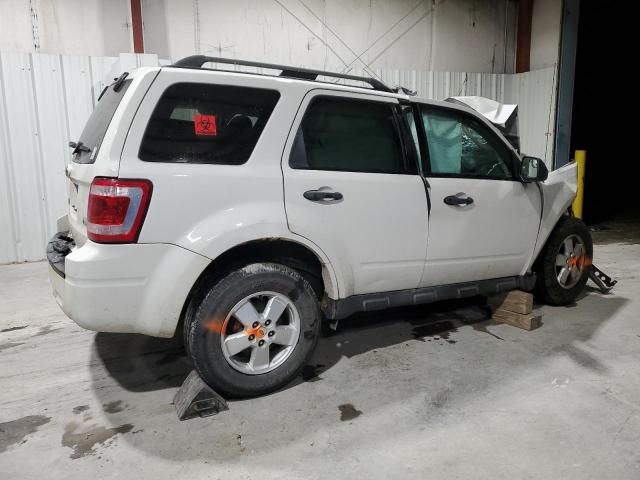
(558, 191)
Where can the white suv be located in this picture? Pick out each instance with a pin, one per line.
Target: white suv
(243, 209)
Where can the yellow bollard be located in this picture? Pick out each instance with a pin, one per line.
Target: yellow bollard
(581, 157)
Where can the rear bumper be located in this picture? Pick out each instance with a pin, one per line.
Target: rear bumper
(129, 288)
(58, 248)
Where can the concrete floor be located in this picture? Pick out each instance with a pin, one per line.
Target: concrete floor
(437, 392)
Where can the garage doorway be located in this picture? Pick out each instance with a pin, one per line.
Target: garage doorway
(601, 127)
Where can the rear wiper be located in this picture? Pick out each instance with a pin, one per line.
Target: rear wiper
(79, 147)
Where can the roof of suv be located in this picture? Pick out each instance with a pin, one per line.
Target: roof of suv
(294, 73)
(305, 75)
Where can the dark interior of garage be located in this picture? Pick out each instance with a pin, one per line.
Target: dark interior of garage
(600, 125)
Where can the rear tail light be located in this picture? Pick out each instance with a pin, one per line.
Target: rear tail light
(117, 208)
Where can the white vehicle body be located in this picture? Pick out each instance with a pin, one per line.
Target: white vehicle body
(389, 240)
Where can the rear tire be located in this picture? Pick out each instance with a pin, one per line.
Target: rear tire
(564, 263)
(254, 330)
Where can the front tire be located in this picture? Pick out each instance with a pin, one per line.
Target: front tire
(254, 330)
(564, 263)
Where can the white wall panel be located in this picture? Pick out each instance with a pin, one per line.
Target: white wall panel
(45, 100)
(78, 92)
(8, 209)
(534, 92)
(339, 35)
(53, 134)
(23, 155)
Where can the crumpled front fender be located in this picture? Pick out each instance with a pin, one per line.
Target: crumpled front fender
(558, 191)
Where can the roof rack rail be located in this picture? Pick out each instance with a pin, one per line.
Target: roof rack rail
(196, 61)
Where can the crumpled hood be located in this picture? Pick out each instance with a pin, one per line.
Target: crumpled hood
(496, 112)
(503, 116)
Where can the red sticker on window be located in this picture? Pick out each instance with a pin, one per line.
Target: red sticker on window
(205, 124)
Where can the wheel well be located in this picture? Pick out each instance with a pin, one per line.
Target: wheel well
(563, 218)
(286, 252)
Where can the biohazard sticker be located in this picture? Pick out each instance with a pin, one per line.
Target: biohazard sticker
(205, 124)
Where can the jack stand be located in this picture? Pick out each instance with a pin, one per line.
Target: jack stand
(197, 399)
(604, 282)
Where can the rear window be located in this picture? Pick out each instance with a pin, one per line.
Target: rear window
(204, 123)
(96, 127)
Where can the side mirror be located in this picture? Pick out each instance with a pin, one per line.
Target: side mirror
(533, 169)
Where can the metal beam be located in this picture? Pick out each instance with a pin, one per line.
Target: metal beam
(566, 78)
(523, 43)
(136, 27)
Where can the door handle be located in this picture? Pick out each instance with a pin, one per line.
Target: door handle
(319, 195)
(458, 200)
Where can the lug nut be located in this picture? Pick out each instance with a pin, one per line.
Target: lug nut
(261, 342)
(267, 323)
(252, 338)
(272, 333)
(255, 324)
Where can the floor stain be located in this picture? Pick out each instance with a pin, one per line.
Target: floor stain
(46, 330)
(80, 409)
(441, 399)
(8, 345)
(437, 330)
(348, 412)
(13, 329)
(15, 431)
(113, 407)
(84, 443)
(239, 441)
(310, 373)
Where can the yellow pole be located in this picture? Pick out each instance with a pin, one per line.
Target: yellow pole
(581, 157)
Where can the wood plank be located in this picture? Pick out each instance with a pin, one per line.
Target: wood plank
(529, 321)
(515, 301)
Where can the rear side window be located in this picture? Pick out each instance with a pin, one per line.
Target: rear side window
(96, 127)
(349, 135)
(204, 123)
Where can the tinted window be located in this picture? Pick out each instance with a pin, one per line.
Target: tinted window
(96, 127)
(461, 145)
(201, 123)
(348, 135)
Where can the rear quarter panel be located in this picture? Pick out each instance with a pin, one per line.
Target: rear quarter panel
(209, 209)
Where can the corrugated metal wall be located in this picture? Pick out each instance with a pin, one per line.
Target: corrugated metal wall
(46, 99)
(44, 102)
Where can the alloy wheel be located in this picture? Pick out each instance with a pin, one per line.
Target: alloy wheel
(260, 333)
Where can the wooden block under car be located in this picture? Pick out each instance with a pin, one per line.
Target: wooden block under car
(515, 301)
(527, 321)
